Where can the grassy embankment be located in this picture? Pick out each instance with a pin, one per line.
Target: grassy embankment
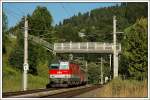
(12, 78)
(124, 88)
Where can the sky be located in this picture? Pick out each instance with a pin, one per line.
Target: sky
(59, 11)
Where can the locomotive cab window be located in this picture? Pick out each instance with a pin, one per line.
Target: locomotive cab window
(64, 65)
(54, 66)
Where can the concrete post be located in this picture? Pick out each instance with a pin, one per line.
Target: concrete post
(101, 70)
(115, 54)
(110, 65)
(70, 56)
(86, 65)
(25, 65)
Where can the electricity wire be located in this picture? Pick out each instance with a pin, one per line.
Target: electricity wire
(67, 12)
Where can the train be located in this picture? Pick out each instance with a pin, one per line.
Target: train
(66, 74)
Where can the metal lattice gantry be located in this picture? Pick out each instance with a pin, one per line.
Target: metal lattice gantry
(85, 47)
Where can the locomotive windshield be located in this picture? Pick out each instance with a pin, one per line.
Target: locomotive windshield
(54, 66)
(64, 65)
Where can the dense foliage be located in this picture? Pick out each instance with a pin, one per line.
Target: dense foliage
(135, 49)
(97, 23)
(40, 23)
(4, 32)
(40, 20)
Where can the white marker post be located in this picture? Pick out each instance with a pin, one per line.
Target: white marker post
(25, 65)
(86, 65)
(101, 70)
(110, 65)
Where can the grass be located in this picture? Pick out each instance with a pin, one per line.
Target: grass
(125, 88)
(12, 80)
(12, 77)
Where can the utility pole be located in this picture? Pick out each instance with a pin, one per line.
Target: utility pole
(110, 65)
(25, 65)
(115, 54)
(101, 70)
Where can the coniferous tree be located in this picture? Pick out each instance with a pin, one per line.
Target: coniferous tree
(4, 30)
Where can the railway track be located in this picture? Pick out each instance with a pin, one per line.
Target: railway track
(72, 93)
(9, 94)
(51, 93)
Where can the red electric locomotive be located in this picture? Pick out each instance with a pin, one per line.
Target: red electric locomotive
(66, 74)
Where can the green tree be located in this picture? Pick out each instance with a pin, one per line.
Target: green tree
(68, 33)
(40, 22)
(135, 49)
(93, 73)
(5, 22)
(16, 56)
(4, 30)
(136, 10)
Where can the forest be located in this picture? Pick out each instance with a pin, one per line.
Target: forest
(132, 19)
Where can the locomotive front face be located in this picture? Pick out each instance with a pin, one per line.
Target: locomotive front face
(65, 73)
(59, 73)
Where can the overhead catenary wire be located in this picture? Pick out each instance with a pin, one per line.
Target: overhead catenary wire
(67, 12)
(18, 9)
(17, 16)
(39, 30)
(11, 11)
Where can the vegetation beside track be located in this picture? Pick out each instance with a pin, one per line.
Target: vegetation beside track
(12, 77)
(124, 88)
(12, 80)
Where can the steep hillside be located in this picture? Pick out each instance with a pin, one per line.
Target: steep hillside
(97, 23)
